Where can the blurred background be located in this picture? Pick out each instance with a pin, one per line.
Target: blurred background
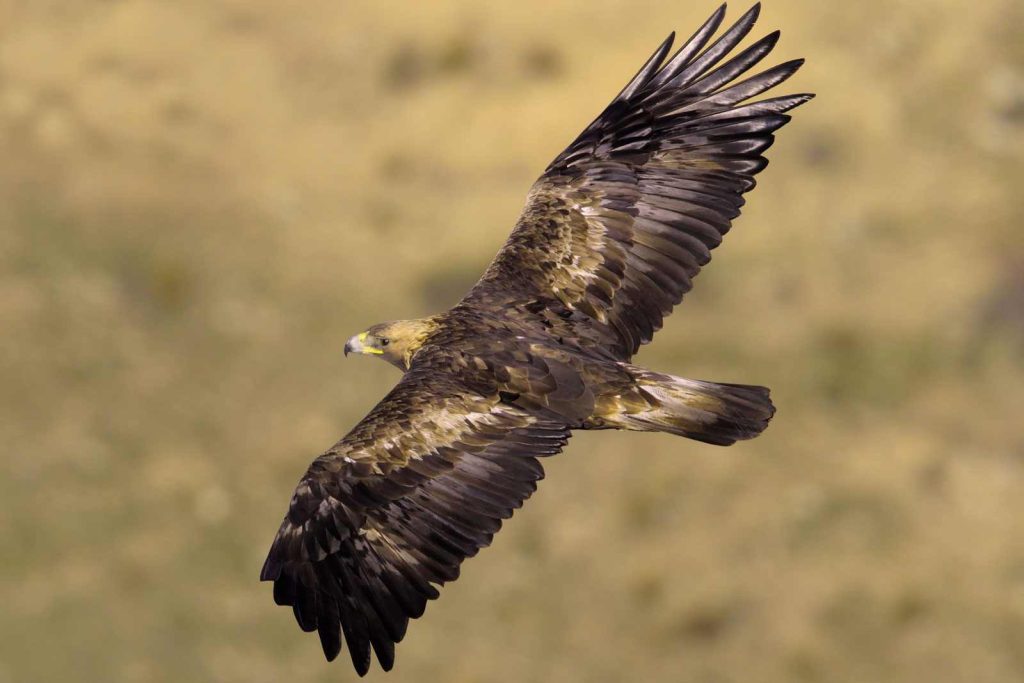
(200, 201)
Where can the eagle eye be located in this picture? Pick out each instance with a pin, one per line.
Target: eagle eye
(384, 341)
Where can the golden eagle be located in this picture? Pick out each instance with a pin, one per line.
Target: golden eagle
(612, 235)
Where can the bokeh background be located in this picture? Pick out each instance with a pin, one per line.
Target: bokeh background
(200, 201)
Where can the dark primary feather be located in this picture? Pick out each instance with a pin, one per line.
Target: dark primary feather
(392, 510)
(624, 219)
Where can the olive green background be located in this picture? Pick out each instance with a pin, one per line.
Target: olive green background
(200, 201)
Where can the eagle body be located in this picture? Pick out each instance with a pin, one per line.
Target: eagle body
(612, 235)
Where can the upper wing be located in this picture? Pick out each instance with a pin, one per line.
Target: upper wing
(419, 485)
(624, 218)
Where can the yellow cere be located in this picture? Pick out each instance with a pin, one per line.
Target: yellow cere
(368, 349)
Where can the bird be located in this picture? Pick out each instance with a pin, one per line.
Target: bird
(611, 237)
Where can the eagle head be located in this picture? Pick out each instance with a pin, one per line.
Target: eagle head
(396, 342)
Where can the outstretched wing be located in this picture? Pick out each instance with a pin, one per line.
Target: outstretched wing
(390, 511)
(626, 216)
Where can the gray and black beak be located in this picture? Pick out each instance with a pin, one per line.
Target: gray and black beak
(353, 345)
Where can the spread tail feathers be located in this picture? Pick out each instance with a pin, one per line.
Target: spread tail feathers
(719, 414)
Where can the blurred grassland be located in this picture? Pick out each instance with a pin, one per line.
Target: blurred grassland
(199, 201)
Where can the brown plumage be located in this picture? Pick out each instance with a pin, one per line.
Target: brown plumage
(611, 238)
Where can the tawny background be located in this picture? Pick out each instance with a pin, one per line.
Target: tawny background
(200, 201)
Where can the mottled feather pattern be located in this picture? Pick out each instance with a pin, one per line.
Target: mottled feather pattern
(419, 485)
(650, 187)
(611, 237)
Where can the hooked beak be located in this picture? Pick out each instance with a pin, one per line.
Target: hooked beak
(355, 344)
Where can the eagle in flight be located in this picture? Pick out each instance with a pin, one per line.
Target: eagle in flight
(612, 235)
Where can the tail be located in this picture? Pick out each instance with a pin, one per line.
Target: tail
(719, 414)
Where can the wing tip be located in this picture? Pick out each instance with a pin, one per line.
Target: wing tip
(750, 17)
(362, 666)
(648, 71)
(797, 99)
(386, 661)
